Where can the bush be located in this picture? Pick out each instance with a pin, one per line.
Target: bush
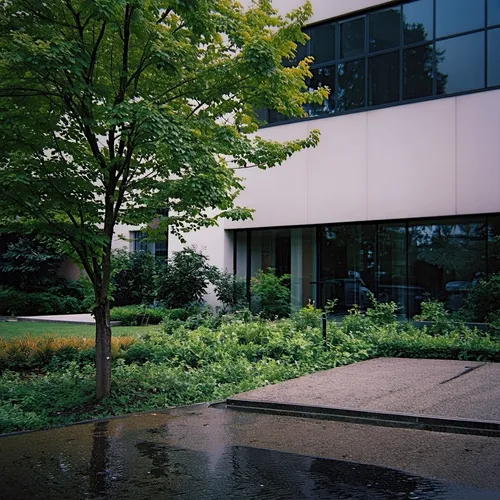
(133, 278)
(442, 323)
(19, 303)
(231, 291)
(483, 300)
(185, 279)
(270, 295)
(307, 317)
(382, 313)
(138, 315)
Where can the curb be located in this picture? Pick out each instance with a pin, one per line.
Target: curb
(404, 420)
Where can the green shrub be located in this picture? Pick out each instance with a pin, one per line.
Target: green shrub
(138, 315)
(231, 291)
(270, 295)
(382, 313)
(133, 278)
(483, 300)
(442, 323)
(185, 279)
(308, 317)
(19, 303)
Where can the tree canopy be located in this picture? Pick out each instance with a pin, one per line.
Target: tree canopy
(129, 111)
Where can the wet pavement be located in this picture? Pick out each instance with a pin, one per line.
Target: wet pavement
(211, 453)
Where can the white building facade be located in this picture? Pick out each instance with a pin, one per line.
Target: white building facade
(402, 196)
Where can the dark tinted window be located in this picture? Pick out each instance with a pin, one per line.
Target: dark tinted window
(418, 18)
(385, 29)
(323, 43)
(461, 63)
(493, 12)
(383, 78)
(494, 57)
(323, 77)
(457, 16)
(418, 73)
(352, 38)
(351, 85)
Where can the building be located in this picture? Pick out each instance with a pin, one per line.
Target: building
(402, 196)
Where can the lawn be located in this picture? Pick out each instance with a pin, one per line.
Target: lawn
(12, 330)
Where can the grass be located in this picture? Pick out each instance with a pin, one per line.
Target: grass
(13, 330)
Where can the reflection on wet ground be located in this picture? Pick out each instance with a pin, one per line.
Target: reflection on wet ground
(209, 453)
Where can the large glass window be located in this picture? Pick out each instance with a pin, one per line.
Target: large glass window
(459, 16)
(493, 245)
(445, 259)
(418, 72)
(323, 77)
(426, 48)
(351, 85)
(391, 268)
(348, 265)
(494, 57)
(493, 12)
(383, 74)
(323, 43)
(461, 63)
(385, 29)
(241, 253)
(418, 21)
(352, 38)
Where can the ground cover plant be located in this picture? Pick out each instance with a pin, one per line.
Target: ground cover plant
(183, 364)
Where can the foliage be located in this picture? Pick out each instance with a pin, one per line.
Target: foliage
(14, 302)
(270, 295)
(133, 278)
(134, 112)
(442, 323)
(138, 315)
(185, 279)
(307, 317)
(30, 282)
(483, 300)
(39, 352)
(382, 313)
(191, 366)
(231, 291)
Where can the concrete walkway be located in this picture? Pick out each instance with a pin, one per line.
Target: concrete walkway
(81, 319)
(389, 388)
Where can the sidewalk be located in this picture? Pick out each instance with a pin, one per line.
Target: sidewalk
(405, 391)
(81, 319)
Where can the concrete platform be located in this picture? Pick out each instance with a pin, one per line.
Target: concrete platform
(81, 319)
(429, 394)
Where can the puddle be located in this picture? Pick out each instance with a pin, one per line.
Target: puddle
(147, 468)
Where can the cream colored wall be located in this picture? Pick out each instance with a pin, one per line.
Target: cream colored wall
(432, 158)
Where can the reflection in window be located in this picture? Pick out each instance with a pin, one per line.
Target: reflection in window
(418, 18)
(241, 253)
(138, 241)
(446, 259)
(352, 38)
(391, 269)
(418, 72)
(323, 43)
(323, 77)
(348, 265)
(461, 62)
(493, 12)
(458, 16)
(494, 57)
(351, 85)
(383, 82)
(385, 29)
(493, 244)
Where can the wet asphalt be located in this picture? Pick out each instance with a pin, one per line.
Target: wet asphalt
(212, 452)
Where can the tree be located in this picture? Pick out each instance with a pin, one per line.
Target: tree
(119, 111)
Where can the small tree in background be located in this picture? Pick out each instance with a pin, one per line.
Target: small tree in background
(231, 291)
(185, 279)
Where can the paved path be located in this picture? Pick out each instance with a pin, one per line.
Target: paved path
(82, 319)
(441, 388)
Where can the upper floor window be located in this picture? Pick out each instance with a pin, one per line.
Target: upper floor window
(139, 243)
(415, 50)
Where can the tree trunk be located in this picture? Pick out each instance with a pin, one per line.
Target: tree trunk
(102, 349)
